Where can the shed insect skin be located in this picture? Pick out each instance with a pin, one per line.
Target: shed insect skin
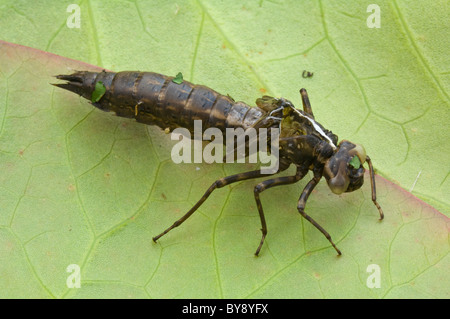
(154, 99)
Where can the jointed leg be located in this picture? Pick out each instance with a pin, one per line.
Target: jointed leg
(305, 101)
(374, 191)
(301, 209)
(285, 180)
(217, 184)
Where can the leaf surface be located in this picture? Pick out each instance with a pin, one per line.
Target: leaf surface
(80, 186)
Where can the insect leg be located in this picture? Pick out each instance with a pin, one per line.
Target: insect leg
(285, 180)
(374, 191)
(301, 209)
(217, 184)
(305, 101)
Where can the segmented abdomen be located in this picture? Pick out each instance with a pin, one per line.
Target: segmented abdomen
(154, 98)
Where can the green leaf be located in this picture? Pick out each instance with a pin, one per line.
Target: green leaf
(178, 79)
(83, 187)
(99, 91)
(355, 162)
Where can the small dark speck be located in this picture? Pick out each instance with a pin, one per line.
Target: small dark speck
(307, 74)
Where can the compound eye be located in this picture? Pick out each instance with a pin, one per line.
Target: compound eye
(360, 153)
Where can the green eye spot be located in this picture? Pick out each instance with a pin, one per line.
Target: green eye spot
(178, 79)
(99, 91)
(355, 162)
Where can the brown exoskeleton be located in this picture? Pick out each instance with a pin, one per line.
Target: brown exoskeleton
(156, 99)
